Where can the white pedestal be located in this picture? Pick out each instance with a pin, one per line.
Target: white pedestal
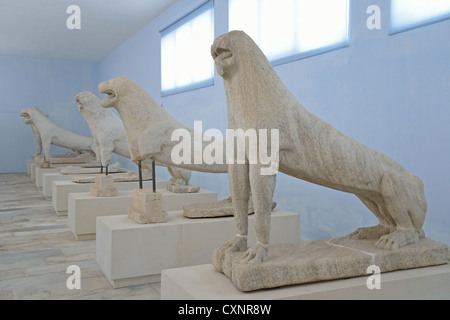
(49, 178)
(204, 282)
(29, 162)
(61, 190)
(131, 254)
(33, 167)
(39, 173)
(85, 208)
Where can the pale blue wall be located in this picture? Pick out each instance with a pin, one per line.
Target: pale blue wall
(48, 84)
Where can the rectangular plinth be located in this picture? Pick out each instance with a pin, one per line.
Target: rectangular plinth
(33, 167)
(29, 162)
(49, 178)
(36, 172)
(61, 190)
(203, 282)
(83, 208)
(39, 173)
(321, 260)
(130, 253)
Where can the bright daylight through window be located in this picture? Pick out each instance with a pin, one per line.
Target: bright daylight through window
(287, 30)
(409, 14)
(185, 52)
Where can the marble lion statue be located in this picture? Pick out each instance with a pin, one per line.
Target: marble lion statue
(37, 136)
(106, 128)
(51, 133)
(149, 127)
(110, 136)
(309, 149)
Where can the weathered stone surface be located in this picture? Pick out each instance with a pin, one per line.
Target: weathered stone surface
(131, 176)
(115, 168)
(147, 207)
(320, 260)
(81, 159)
(106, 128)
(180, 188)
(68, 158)
(222, 208)
(104, 186)
(149, 127)
(179, 183)
(91, 164)
(125, 138)
(51, 133)
(309, 149)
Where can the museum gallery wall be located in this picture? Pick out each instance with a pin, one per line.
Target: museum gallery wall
(390, 92)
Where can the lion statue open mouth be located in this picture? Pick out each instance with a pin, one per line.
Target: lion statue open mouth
(106, 128)
(47, 133)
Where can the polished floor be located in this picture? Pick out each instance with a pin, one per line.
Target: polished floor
(37, 247)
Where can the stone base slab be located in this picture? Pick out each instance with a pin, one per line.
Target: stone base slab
(104, 186)
(176, 188)
(222, 208)
(72, 170)
(147, 207)
(312, 261)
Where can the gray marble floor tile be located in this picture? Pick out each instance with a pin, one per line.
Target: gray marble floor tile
(36, 247)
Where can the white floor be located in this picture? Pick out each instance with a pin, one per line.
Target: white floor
(37, 247)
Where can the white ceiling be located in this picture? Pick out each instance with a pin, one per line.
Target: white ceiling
(37, 28)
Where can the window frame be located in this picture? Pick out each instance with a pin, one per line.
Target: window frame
(394, 31)
(204, 7)
(318, 51)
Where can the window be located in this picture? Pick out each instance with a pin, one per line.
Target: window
(185, 52)
(410, 14)
(287, 30)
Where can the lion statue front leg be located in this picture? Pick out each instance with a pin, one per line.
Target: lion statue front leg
(263, 187)
(240, 193)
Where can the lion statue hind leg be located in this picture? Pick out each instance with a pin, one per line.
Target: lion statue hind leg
(405, 201)
(386, 225)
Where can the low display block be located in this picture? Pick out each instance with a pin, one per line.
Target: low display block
(39, 174)
(61, 190)
(33, 167)
(49, 178)
(204, 282)
(84, 208)
(132, 254)
(29, 162)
